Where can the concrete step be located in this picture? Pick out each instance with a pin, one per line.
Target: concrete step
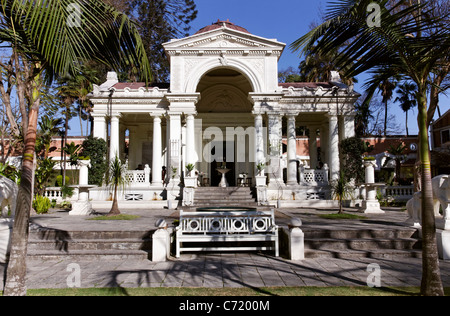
(356, 254)
(230, 196)
(362, 244)
(54, 234)
(89, 254)
(398, 242)
(400, 232)
(94, 244)
(89, 245)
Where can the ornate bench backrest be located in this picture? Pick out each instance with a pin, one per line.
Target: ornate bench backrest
(227, 222)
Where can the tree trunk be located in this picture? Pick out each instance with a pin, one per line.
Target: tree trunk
(431, 277)
(406, 124)
(15, 284)
(115, 206)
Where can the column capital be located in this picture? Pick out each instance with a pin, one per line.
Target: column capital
(290, 114)
(156, 114)
(194, 113)
(332, 116)
(116, 115)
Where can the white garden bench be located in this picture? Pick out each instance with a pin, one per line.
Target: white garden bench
(227, 226)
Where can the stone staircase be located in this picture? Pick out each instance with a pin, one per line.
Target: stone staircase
(89, 245)
(217, 196)
(362, 243)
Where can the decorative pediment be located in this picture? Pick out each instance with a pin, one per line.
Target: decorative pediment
(222, 40)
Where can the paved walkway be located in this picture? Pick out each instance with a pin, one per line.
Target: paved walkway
(220, 270)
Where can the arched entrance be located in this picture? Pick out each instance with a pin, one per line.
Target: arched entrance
(227, 123)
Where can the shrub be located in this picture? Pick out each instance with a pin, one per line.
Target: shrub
(59, 181)
(95, 149)
(41, 204)
(352, 150)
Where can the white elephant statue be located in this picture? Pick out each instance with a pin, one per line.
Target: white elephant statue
(8, 194)
(441, 197)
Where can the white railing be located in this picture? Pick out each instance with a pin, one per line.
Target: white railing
(55, 193)
(314, 176)
(401, 192)
(138, 177)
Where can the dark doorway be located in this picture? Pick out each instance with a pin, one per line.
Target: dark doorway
(219, 162)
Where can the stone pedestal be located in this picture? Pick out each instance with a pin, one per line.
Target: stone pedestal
(371, 205)
(296, 241)
(443, 243)
(5, 238)
(223, 182)
(161, 242)
(260, 181)
(82, 207)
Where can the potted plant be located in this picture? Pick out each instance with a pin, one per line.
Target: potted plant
(189, 180)
(260, 168)
(260, 178)
(189, 168)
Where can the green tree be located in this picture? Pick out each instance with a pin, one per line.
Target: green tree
(352, 150)
(49, 39)
(401, 38)
(96, 150)
(159, 21)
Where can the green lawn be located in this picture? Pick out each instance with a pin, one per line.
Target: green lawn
(271, 291)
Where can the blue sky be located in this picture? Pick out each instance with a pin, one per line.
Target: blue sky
(284, 20)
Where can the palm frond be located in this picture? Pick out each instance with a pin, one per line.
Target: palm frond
(43, 32)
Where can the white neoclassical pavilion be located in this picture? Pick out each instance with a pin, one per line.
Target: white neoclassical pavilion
(224, 107)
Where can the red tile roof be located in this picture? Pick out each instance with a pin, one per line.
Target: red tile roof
(131, 85)
(306, 85)
(137, 85)
(219, 24)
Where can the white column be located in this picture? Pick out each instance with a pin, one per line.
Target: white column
(275, 174)
(99, 126)
(291, 151)
(324, 143)
(333, 143)
(259, 141)
(313, 147)
(191, 155)
(349, 126)
(157, 152)
(175, 144)
(132, 148)
(114, 138)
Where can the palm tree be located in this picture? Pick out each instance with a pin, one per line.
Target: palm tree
(341, 189)
(387, 88)
(48, 127)
(399, 153)
(116, 179)
(317, 67)
(402, 45)
(44, 38)
(407, 99)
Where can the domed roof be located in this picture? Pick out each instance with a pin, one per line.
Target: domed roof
(219, 24)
